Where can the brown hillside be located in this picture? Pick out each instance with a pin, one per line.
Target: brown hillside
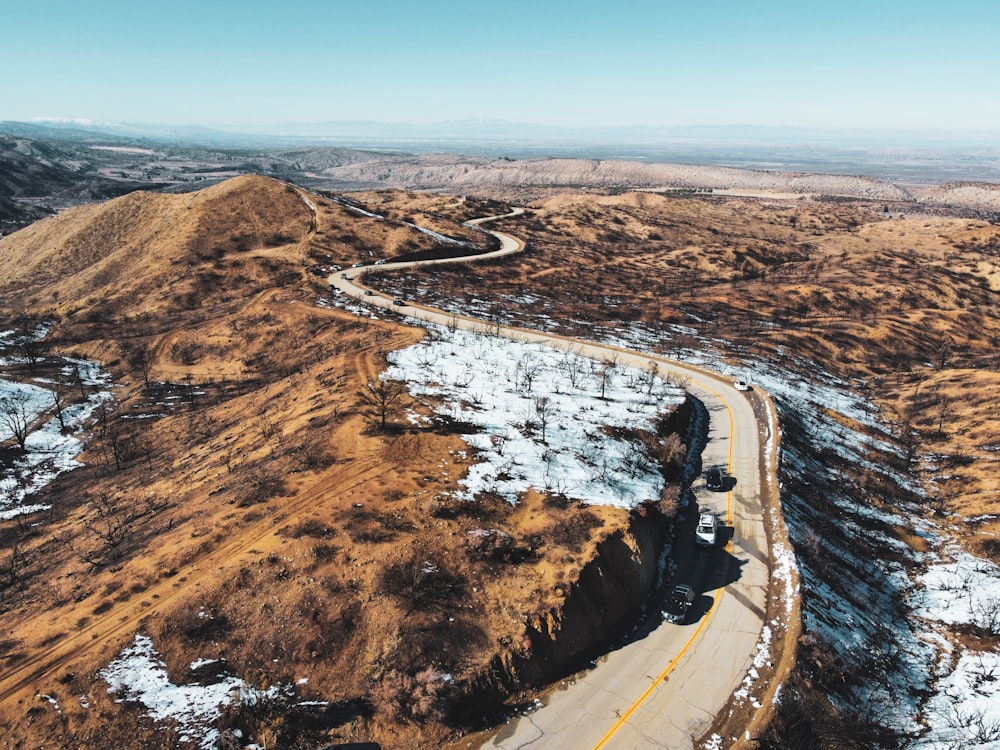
(482, 176)
(254, 491)
(907, 307)
(141, 243)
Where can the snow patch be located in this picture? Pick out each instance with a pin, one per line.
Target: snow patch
(540, 416)
(138, 674)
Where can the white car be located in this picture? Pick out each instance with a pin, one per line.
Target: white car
(707, 532)
(741, 385)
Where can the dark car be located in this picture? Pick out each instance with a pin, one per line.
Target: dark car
(678, 603)
(715, 480)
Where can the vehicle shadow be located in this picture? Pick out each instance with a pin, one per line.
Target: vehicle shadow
(726, 534)
(706, 570)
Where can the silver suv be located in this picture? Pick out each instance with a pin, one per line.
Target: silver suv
(707, 532)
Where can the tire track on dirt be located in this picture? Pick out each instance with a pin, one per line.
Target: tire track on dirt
(128, 617)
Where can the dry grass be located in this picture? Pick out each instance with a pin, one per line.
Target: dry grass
(260, 497)
(267, 502)
(906, 308)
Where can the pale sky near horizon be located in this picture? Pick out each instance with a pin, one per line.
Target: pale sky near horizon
(882, 64)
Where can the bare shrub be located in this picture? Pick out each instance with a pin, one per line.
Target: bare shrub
(574, 530)
(427, 695)
(986, 614)
(424, 582)
(325, 552)
(197, 624)
(311, 527)
(496, 545)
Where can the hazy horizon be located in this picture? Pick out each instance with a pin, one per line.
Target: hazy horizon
(913, 67)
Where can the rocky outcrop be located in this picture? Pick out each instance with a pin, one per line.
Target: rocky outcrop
(601, 607)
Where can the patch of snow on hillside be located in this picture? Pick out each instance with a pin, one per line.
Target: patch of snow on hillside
(499, 386)
(349, 204)
(138, 674)
(50, 451)
(964, 712)
(964, 590)
(30, 401)
(438, 236)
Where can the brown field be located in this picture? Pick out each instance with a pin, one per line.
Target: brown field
(268, 501)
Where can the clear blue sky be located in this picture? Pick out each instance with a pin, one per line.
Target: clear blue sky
(851, 64)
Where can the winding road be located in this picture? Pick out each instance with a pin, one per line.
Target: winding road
(666, 687)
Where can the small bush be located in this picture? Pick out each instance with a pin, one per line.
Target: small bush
(427, 695)
(324, 552)
(495, 545)
(312, 528)
(574, 531)
(424, 583)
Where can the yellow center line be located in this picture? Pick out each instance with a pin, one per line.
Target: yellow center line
(704, 621)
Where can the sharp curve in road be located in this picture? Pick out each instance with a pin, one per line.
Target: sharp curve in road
(665, 689)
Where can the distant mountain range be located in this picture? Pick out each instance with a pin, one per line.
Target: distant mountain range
(495, 131)
(48, 165)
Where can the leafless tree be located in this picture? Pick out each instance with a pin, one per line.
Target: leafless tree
(986, 614)
(31, 348)
(121, 439)
(652, 376)
(16, 415)
(381, 399)
(139, 356)
(676, 380)
(573, 367)
(544, 411)
(605, 371)
(112, 521)
(527, 369)
(78, 379)
(58, 402)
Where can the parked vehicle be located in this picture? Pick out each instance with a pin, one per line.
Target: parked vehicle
(741, 385)
(678, 603)
(706, 534)
(399, 301)
(715, 480)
